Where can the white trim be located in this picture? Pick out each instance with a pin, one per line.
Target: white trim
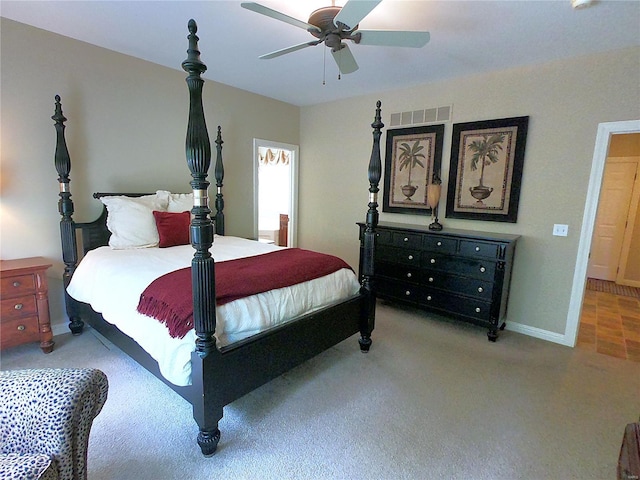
(605, 130)
(537, 333)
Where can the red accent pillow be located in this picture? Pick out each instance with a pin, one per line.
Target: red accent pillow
(173, 228)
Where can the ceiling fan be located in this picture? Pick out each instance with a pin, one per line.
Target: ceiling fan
(332, 25)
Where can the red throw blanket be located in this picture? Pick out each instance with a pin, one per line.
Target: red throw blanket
(169, 298)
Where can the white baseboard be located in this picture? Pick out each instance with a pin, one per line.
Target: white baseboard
(538, 333)
(60, 329)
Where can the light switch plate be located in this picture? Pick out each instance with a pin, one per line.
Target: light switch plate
(560, 230)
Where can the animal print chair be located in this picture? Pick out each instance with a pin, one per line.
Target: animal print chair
(45, 419)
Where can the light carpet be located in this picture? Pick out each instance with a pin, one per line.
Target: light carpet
(432, 400)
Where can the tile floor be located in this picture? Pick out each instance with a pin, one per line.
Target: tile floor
(610, 324)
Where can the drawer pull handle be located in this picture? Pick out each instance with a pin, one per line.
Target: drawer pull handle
(431, 279)
(477, 249)
(482, 269)
(18, 306)
(439, 244)
(407, 293)
(406, 239)
(480, 289)
(16, 284)
(21, 328)
(433, 260)
(410, 257)
(409, 275)
(477, 309)
(429, 298)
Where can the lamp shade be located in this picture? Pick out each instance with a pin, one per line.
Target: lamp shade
(433, 194)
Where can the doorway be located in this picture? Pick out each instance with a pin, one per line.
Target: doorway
(616, 237)
(601, 151)
(275, 168)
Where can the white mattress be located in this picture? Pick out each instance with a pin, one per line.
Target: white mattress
(111, 281)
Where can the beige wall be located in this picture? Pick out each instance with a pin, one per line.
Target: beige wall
(125, 131)
(127, 120)
(565, 102)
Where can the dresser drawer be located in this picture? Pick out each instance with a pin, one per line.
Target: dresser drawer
(460, 285)
(407, 240)
(440, 244)
(406, 273)
(18, 331)
(384, 237)
(470, 308)
(481, 269)
(18, 307)
(18, 285)
(404, 256)
(472, 248)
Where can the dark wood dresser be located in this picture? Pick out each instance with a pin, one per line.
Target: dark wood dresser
(459, 273)
(25, 303)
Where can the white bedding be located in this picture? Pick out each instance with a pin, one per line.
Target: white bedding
(111, 281)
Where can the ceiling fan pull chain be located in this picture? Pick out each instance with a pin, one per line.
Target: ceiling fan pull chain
(324, 66)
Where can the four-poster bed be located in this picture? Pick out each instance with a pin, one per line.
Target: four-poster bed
(219, 374)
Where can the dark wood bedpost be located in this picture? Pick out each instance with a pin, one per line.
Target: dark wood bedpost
(369, 239)
(198, 152)
(65, 207)
(219, 174)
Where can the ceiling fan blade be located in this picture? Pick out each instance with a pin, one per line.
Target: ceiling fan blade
(345, 60)
(284, 51)
(394, 38)
(256, 7)
(354, 11)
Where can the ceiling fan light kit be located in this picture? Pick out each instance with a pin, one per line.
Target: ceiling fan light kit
(333, 25)
(580, 4)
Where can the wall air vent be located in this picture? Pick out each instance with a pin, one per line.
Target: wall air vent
(417, 117)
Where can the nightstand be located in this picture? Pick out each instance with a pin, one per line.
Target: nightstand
(25, 303)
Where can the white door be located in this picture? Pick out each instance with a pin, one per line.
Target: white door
(613, 208)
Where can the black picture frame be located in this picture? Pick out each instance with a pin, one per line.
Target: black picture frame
(419, 149)
(499, 143)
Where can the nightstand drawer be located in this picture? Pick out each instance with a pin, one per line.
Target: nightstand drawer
(18, 331)
(18, 285)
(18, 307)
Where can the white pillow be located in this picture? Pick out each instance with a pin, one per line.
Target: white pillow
(180, 202)
(131, 221)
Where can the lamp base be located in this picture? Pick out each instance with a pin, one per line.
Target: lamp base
(435, 225)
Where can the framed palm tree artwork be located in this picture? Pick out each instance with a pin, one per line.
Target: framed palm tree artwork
(413, 155)
(485, 171)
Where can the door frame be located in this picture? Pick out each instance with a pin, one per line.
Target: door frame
(293, 187)
(601, 150)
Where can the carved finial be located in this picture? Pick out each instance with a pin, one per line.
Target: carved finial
(377, 122)
(193, 26)
(192, 64)
(58, 117)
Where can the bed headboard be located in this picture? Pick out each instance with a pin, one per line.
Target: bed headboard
(95, 234)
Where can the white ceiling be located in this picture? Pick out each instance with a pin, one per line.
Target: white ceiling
(467, 37)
